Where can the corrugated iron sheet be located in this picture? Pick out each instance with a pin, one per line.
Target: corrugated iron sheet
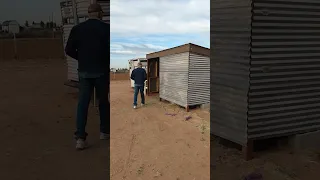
(265, 76)
(199, 80)
(285, 68)
(66, 9)
(82, 8)
(106, 10)
(72, 69)
(66, 32)
(72, 64)
(174, 78)
(185, 79)
(230, 64)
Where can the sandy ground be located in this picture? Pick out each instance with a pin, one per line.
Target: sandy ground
(119, 76)
(147, 143)
(37, 116)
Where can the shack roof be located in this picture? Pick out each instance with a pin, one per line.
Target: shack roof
(6, 23)
(192, 48)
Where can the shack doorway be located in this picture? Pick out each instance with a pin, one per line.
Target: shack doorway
(153, 76)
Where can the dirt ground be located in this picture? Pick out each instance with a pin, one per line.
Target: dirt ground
(31, 48)
(37, 114)
(119, 76)
(150, 142)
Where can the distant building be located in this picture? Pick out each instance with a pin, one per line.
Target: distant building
(11, 26)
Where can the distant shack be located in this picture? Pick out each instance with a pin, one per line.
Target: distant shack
(11, 26)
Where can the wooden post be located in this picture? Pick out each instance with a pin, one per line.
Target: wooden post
(94, 97)
(15, 46)
(247, 150)
(187, 108)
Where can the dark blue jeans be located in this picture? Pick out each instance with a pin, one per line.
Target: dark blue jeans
(85, 93)
(137, 89)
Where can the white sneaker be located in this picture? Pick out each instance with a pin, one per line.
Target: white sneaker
(104, 136)
(142, 104)
(134, 107)
(81, 144)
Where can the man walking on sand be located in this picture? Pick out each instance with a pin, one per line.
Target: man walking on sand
(89, 43)
(139, 76)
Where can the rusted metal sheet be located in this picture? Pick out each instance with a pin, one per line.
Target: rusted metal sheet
(174, 78)
(105, 4)
(265, 69)
(82, 8)
(285, 68)
(230, 64)
(199, 80)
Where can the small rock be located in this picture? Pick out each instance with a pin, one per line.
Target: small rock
(158, 174)
(187, 118)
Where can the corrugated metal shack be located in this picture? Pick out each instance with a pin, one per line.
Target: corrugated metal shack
(265, 76)
(180, 75)
(72, 13)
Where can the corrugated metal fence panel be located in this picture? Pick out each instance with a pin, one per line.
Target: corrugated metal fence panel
(230, 63)
(106, 10)
(82, 8)
(71, 63)
(66, 32)
(285, 73)
(174, 78)
(72, 69)
(199, 80)
(106, 19)
(66, 9)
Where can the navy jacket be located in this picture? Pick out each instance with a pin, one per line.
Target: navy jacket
(89, 43)
(139, 76)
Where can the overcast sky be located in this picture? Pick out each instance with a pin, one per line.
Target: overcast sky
(143, 26)
(30, 10)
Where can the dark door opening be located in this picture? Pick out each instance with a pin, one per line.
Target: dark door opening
(153, 76)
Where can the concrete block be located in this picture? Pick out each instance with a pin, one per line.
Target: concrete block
(305, 141)
(205, 106)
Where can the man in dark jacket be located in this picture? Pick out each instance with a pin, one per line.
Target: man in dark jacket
(139, 76)
(89, 43)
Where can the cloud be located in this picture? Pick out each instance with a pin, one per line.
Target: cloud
(129, 48)
(145, 26)
(160, 16)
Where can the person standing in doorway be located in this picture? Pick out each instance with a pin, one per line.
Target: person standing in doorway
(89, 44)
(139, 76)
